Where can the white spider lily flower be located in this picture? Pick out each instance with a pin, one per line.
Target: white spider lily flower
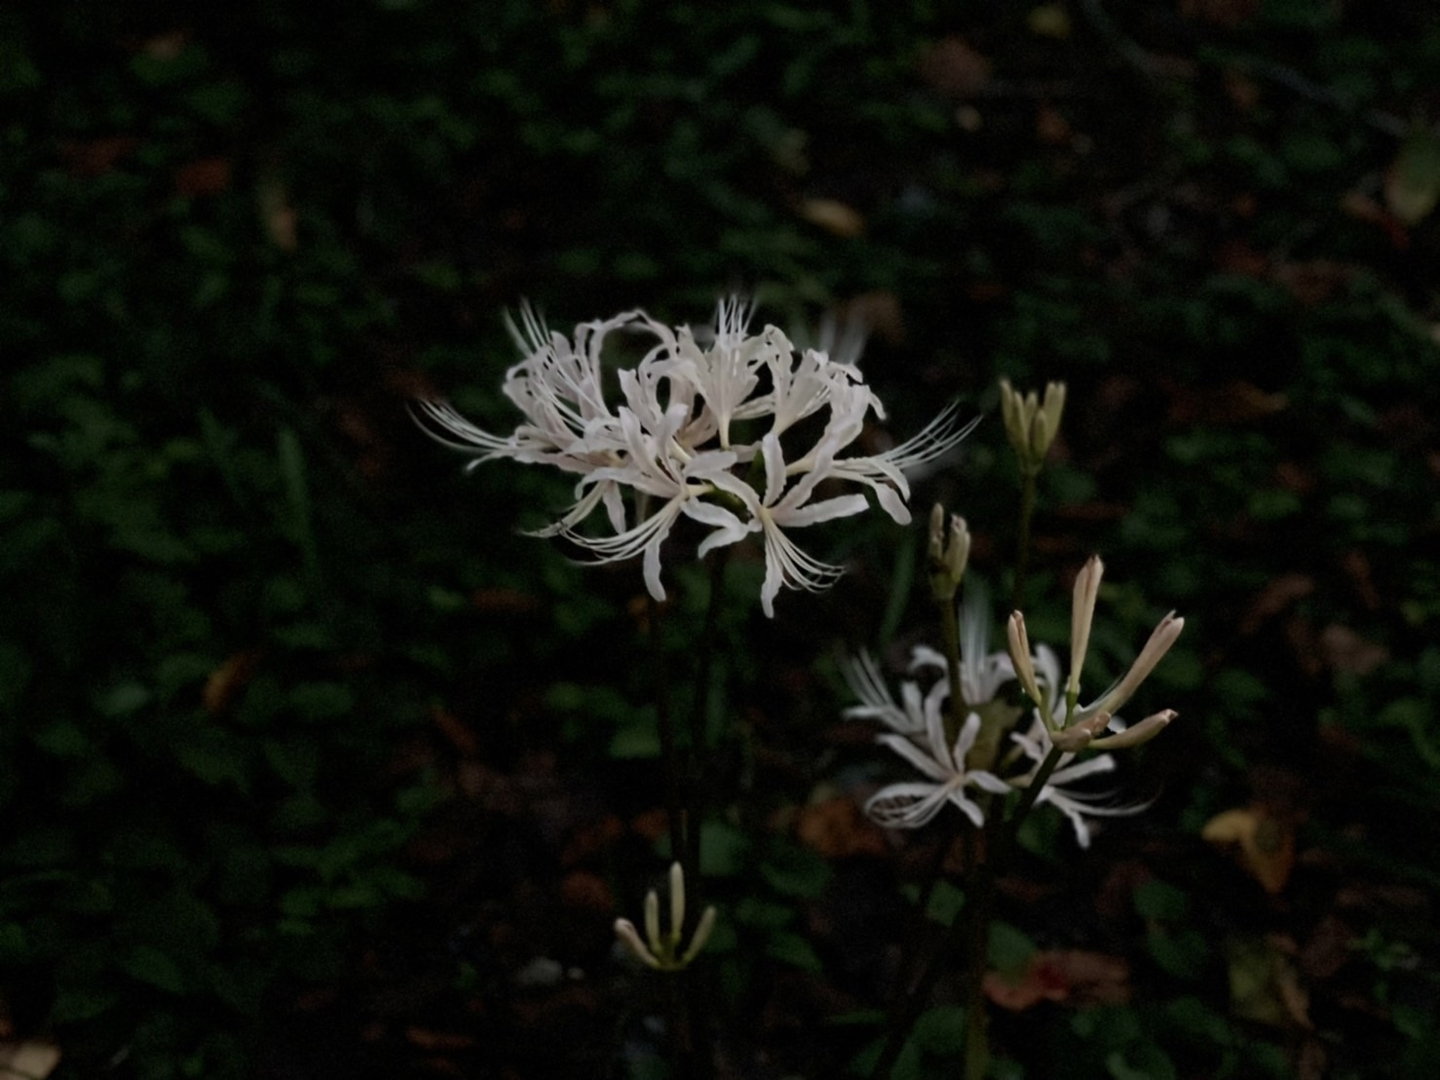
(912, 804)
(910, 716)
(886, 472)
(1077, 806)
(982, 673)
(663, 448)
(783, 507)
(683, 489)
(557, 387)
(725, 374)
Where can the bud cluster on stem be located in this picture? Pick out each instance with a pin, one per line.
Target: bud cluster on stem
(1077, 728)
(1030, 423)
(661, 951)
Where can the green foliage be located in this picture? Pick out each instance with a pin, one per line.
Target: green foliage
(237, 581)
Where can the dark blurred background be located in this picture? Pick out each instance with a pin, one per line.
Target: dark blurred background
(311, 765)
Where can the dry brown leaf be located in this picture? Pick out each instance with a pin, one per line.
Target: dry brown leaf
(879, 311)
(587, 892)
(1329, 948)
(96, 156)
(505, 601)
(592, 838)
(1238, 257)
(278, 215)
(426, 1039)
(207, 176)
(166, 46)
(1362, 207)
(1265, 844)
(1075, 975)
(1274, 598)
(1051, 127)
(1235, 402)
(833, 216)
(1343, 649)
(1313, 281)
(227, 681)
(1226, 13)
(1243, 91)
(836, 828)
(456, 732)
(953, 67)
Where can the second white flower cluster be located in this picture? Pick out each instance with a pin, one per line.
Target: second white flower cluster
(988, 751)
(703, 426)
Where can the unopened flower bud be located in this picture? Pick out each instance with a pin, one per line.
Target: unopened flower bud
(1161, 638)
(949, 551)
(1019, 643)
(1080, 735)
(1136, 734)
(1082, 615)
(1032, 424)
(661, 952)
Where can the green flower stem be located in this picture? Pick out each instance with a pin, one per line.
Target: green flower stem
(950, 632)
(1022, 553)
(698, 749)
(1037, 785)
(907, 1009)
(979, 912)
(665, 723)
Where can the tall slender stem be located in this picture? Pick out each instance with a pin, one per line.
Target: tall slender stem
(694, 793)
(665, 723)
(908, 1007)
(1022, 546)
(698, 751)
(679, 998)
(950, 633)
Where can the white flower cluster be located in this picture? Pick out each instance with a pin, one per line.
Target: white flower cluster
(917, 722)
(694, 419)
(917, 735)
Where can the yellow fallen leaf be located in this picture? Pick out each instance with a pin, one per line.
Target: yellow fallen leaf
(1049, 20)
(1266, 845)
(1412, 183)
(834, 216)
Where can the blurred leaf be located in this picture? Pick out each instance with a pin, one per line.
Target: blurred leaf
(795, 871)
(941, 1030)
(149, 965)
(1412, 183)
(794, 950)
